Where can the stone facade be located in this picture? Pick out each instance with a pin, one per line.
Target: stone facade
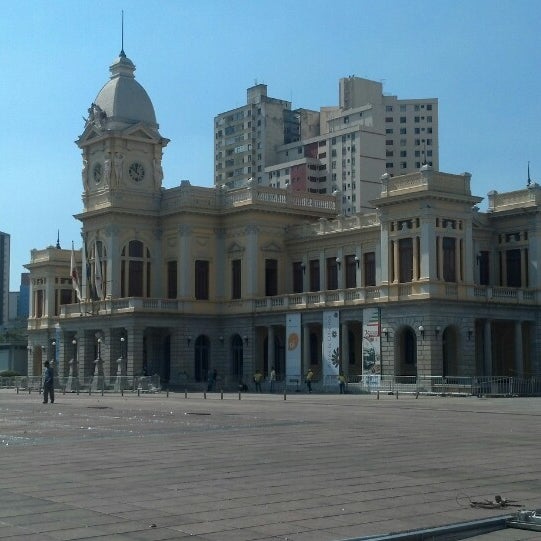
(178, 282)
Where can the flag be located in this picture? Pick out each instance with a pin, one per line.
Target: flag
(98, 281)
(75, 276)
(88, 282)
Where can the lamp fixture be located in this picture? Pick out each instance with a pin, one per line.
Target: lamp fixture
(357, 261)
(338, 263)
(189, 340)
(437, 330)
(386, 333)
(245, 339)
(303, 267)
(221, 340)
(422, 331)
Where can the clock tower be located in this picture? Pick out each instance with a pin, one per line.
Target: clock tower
(121, 145)
(122, 183)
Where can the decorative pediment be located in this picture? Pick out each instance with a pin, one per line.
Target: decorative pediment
(271, 247)
(142, 132)
(235, 247)
(90, 133)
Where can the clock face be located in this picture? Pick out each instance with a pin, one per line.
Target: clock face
(136, 172)
(98, 173)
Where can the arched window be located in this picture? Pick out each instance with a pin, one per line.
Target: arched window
(237, 355)
(135, 270)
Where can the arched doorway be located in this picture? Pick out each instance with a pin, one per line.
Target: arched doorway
(237, 357)
(407, 353)
(449, 350)
(201, 358)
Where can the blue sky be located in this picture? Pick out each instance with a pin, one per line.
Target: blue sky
(480, 58)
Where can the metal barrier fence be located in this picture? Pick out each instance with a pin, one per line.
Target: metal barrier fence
(450, 385)
(359, 384)
(97, 384)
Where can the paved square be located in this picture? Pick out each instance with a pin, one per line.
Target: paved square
(309, 468)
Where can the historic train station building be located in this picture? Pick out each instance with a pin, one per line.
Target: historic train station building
(185, 280)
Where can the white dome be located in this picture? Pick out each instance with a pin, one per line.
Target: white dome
(123, 99)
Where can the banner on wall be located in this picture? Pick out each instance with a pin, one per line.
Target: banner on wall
(371, 346)
(331, 343)
(293, 351)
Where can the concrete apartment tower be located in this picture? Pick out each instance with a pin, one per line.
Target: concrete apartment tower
(340, 149)
(4, 278)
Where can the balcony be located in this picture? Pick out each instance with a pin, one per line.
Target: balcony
(312, 300)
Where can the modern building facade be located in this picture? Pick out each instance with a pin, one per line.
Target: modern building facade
(342, 148)
(182, 281)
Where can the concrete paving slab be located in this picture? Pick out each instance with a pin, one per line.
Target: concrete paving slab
(312, 467)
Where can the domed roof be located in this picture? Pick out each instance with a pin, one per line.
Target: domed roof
(122, 99)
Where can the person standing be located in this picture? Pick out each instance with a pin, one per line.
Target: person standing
(272, 379)
(309, 376)
(342, 383)
(48, 383)
(258, 376)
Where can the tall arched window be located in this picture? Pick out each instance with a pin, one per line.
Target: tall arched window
(135, 270)
(237, 354)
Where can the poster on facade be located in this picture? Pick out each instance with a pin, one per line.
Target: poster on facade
(293, 351)
(371, 347)
(331, 343)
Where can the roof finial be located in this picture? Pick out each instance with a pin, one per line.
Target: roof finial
(529, 179)
(58, 239)
(122, 53)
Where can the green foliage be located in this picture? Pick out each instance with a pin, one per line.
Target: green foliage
(9, 374)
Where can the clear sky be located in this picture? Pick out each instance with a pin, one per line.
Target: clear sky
(480, 58)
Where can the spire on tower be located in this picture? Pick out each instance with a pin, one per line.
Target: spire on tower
(122, 53)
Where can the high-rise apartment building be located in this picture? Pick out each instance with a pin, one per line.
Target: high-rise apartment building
(4, 277)
(345, 148)
(246, 138)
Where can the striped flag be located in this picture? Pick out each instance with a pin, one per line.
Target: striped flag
(75, 275)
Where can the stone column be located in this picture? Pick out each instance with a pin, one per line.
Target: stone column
(503, 257)
(439, 244)
(523, 270)
(428, 247)
(344, 350)
(305, 350)
(415, 256)
(322, 271)
(218, 272)
(270, 349)
(396, 261)
(134, 362)
(185, 263)
(158, 286)
(458, 260)
(384, 256)
(252, 266)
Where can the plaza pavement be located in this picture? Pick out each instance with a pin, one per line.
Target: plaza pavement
(309, 468)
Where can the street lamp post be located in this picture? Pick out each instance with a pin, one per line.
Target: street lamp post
(73, 378)
(120, 366)
(97, 380)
